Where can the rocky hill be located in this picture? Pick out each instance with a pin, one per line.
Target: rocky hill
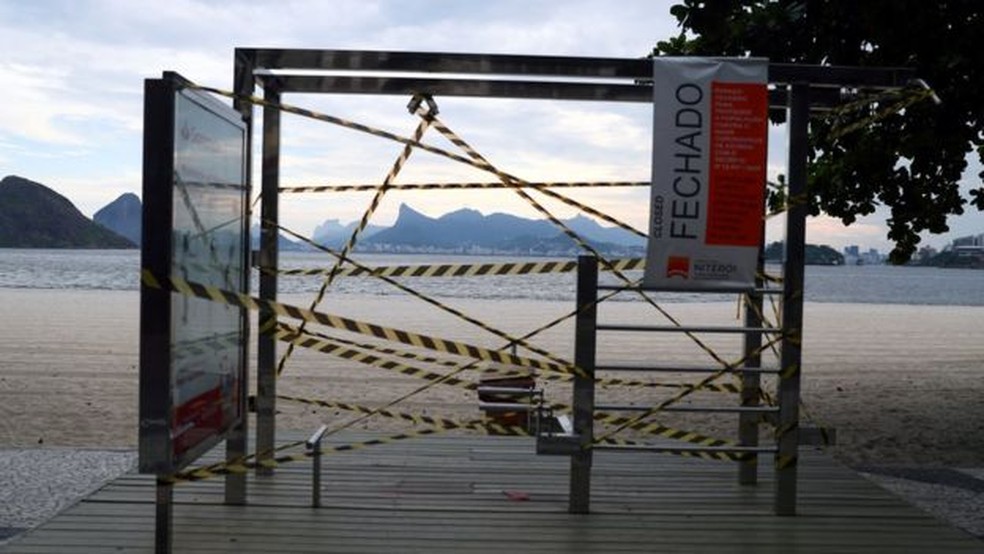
(34, 216)
(123, 216)
(814, 254)
(333, 234)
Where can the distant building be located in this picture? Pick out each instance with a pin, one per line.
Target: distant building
(970, 241)
(966, 252)
(851, 255)
(872, 257)
(854, 256)
(925, 254)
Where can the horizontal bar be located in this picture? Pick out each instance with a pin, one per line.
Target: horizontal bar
(558, 66)
(445, 62)
(505, 407)
(838, 76)
(691, 290)
(685, 448)
(505, 390)
(688, 328)
(674, 369)
(498, 88)
(707, 409)
(316, 437)
(467, 87)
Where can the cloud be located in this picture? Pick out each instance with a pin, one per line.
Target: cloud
(92, 192)
(36, 105)
(71, 108)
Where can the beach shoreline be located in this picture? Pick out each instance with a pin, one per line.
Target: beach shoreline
(900, 383)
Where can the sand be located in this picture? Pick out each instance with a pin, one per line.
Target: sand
(901, 384)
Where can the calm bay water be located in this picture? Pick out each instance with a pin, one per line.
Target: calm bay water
(119, 270)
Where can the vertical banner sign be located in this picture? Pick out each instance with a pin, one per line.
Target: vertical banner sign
(710, 127)
(196, 228)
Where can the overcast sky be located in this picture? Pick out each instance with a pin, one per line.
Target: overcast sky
(71, 102)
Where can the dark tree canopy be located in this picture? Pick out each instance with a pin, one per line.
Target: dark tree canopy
(911, 159)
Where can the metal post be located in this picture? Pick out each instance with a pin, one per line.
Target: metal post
(316, 478)
(751, 381)
(584, 357)
(236, 446)
(314, 446)
(787, 430)
(266, 380)
(164, 517)
(237, 441)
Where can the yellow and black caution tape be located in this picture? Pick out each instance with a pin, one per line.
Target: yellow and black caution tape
(326, 346)
(687, 453)
(686, 392)
(373, 347)
(415, 143)
(443, 423)
(466, 270)
(424, 124)
(660, 430)
(461, 186)
(476, 160)
(248, 464)
(789, 372)
(708, 387)
(335, 346)
(446, 424)
(437, 304)
(510, 179)
(786, 462)
(436, 344)
(516, 184)
(905, 99)
(482, 164)
(634, 383)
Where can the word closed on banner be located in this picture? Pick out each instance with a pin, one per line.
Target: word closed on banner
(709, 160)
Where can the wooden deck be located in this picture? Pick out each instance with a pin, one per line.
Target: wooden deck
(454, 494)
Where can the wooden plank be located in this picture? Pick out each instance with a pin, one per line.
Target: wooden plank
(445, 494)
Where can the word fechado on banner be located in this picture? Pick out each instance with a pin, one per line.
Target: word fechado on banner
(710, 129)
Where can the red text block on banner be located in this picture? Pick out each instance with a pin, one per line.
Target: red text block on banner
(737, 160)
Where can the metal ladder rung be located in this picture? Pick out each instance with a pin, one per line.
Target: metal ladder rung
(493, 389)
(686, 448)
(505, 407)
(733, 290)
(708, 409)
(674, 369)
(687, 328)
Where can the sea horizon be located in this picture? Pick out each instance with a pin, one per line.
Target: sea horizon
(119, 270)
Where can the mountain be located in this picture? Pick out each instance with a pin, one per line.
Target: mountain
(284, 244)
(333, 234)
(587, 227)
(34, 216)
(459, 229)
(123, 216)
(468, 231)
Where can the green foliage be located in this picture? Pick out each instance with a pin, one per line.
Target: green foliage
(908, 157)
(814, 254)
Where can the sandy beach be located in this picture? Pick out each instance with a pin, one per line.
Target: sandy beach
(901, 384)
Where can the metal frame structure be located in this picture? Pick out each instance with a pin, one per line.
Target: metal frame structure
(158, 349)
(798, 89)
